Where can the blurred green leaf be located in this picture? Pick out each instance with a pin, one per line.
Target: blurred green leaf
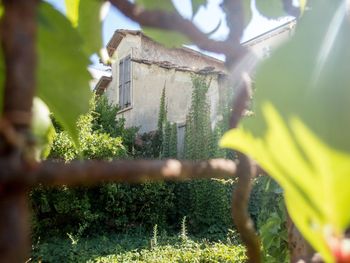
(72, 10)
(167, 38)
(90, 26)
(63, 79)
(247, 12)
(300, 131)
(42, 128)
(85, 16)
(271, 9)
(302, 4)
(196, 4)
(165, 5)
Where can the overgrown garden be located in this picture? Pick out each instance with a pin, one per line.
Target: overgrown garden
(298, 135)
(155, 219)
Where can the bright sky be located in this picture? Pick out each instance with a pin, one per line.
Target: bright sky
(206, 19)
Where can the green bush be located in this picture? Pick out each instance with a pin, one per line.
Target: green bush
(108, 207)
(137, 248)
(207, 206)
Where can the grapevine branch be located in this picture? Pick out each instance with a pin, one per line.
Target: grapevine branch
(175, 22)
(245, 168)
(245, 171)
(53, 173)
(18, 34)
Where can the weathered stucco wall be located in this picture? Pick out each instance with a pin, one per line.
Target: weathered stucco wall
(148, 78)
(148, 83)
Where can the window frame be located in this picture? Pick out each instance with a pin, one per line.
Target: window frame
(125, 83)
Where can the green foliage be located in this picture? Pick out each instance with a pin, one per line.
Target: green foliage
(136, 248)
(198, 126)
(85, 17)
(166, 37)
(92, 145)
(170, 39)
(304, 116)
(104, 121)
(164, 5)
(183, 233)
(109, 207)
(169, 146)
(271, 9)
(274, 9)
(173, 141)
(67, 97)
(72, 9)
(205, 203)
(248, 14)
(42, 129)
(90, 26)
(196, 4)
(271, 220)
(154, 240)
(166, 141)
(162, 116)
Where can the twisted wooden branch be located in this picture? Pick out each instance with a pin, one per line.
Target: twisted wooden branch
(175, 22)
(133, 171)
(18, 34)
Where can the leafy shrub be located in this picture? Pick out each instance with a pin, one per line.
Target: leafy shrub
(268, 211)
(137, 248)
(108, 207)
(104, 121)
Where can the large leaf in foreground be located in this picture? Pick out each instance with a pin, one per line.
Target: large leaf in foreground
(63, 79)
(166, 37)
(300, 133)
(90, 26)
(85, 16)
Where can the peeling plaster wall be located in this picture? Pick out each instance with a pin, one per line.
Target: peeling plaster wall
(148, 83)
(148, 80)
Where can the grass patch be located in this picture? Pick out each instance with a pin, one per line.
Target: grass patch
(138, 248)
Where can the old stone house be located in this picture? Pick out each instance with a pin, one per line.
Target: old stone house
(141, 68)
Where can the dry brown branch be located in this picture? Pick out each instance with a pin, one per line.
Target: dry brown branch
(132, 171)
(240, 200)
(245, 169)
(235, 21)
(18, 33)
(175, 22)
(245, 172)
